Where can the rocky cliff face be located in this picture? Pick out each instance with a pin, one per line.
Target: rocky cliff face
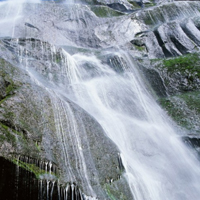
(170, 49)
(39, 122)
(44, 125)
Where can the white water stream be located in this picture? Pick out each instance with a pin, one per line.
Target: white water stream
(158, 165)
(11, 12)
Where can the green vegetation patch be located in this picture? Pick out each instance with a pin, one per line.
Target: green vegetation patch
(180, 74)
(4, 99)
(150, 4)
(9, 92)
(58, 58)
(140, 48)
(189, 63)
(135, 4)
(37, 146)
(11, 87)
(184, 109)
(7, 135)
(30, 167)
(192, 99)
(176, 113)
(103, 11)
(7, 74)
(109, 193)
(114, 192)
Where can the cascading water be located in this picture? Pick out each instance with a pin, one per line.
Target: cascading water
(11, 15)
(158, 165)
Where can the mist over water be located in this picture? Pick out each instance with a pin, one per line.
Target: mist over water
(11, 12)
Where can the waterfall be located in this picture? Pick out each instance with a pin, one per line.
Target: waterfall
(11, 13)
(158, 166)
(108, 86)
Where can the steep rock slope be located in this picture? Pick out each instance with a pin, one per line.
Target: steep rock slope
(170, 48)
(44, 125)
(40, 122)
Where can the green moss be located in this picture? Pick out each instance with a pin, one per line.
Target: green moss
(2, 138)
(7, 135)
(9, 115)
(148, 21)
(182, 72)
(192, 99)
(18, 133)
(10, 88)
(37, 146)
(175, 112)
(4, 99)
(189, 63)
(58, 58)
(109, 193)
(12, 129)
(140, 48)
(11, 135)
(2, 62)
(114, 193)
(183, 108)
(33, 168)
(103, 11)
(153, 16)
(134, 4)
(150, 4)
(30, 167)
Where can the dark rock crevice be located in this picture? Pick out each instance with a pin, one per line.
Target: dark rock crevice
(31, 26)
(121, 166)
(17, 183)
(166, 52)
(191, 31)
(155, 81)
(178, 45)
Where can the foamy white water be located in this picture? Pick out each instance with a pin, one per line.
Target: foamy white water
(158, 166)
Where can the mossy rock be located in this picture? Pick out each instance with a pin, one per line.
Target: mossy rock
(104, 11)
(117, 190)
(180, 74)
(20, 112)
(184, 109)
(7, 135)
(34, 169)
(189, 64)
(135, 4)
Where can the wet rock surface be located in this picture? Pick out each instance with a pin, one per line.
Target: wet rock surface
(38, 122)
